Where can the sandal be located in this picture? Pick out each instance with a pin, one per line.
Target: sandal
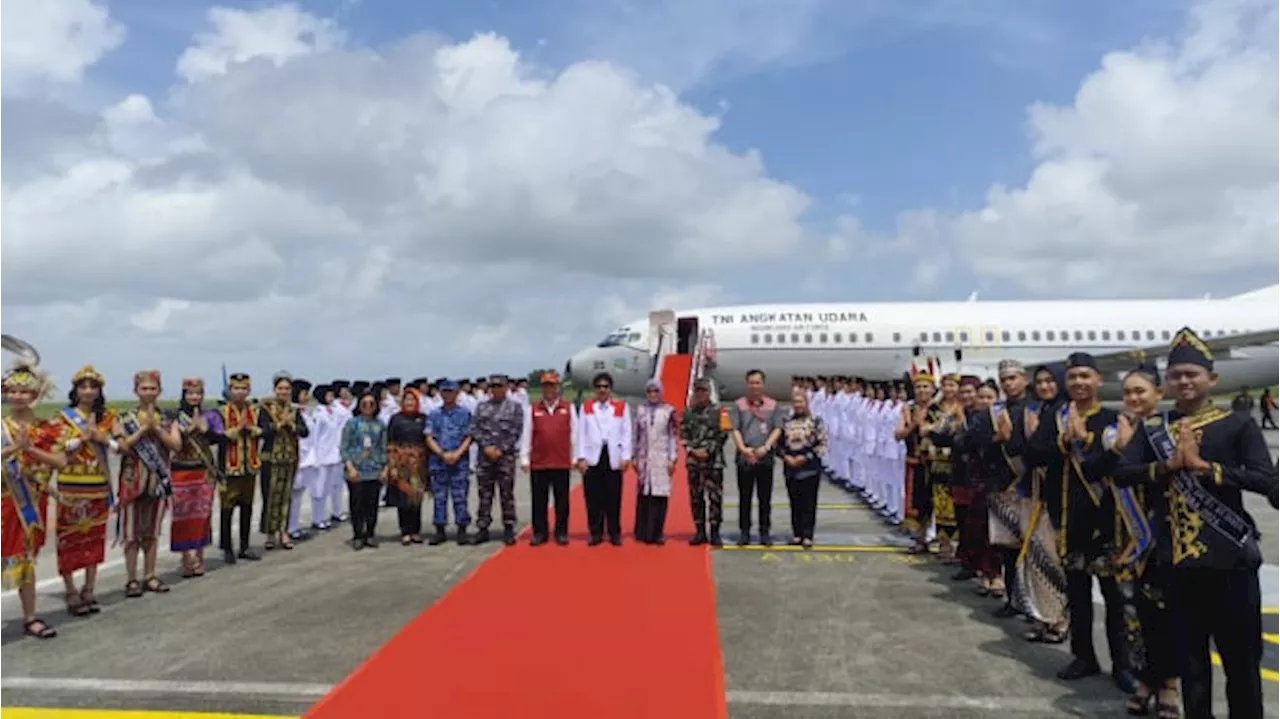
(1046, 635)
(270, 544)
(197, 569)
(1140, 705)
(155, 585)
(1168, 710)
(286, 544)
(997, 592)
(132, 589)
(76, 606)
(86, 596)
(44, 632)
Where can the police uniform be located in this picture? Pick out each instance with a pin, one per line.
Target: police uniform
(497, 423)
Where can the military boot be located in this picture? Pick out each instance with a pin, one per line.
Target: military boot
(439, 537)
(699, 537)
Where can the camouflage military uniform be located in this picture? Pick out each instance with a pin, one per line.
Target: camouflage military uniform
(497, 423)
(700, 429)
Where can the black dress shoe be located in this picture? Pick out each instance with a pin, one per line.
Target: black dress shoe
(1125, 680)
(766, 539)
(371, 543)
(228, 556)
(508, 536)
(715, 539)
(1005, 611)
(562, 538)
(594, 541)
(249, 554)
(615, 541)
(481, 537)
(462, 539)
(744, 539)
(1079, 669)
(538, 540)
(699, 538)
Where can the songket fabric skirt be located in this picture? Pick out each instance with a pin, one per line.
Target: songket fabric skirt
(18, 547)
(141, 518)
(280, 476)
(192, 525)
(84, 506)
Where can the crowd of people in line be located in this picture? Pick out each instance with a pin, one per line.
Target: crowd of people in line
(1034, 490)
(1026, 483)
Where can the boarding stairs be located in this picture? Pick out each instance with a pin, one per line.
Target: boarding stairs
(677, 371)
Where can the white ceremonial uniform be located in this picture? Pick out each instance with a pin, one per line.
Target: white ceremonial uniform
(885, 448)
(854, 431)
(899, 466)
(868, 440)
(600, 429)
(308, 475)
(331, 419)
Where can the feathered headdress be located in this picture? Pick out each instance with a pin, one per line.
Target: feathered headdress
(24, 371)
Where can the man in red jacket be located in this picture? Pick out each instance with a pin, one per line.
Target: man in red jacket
(546, 452)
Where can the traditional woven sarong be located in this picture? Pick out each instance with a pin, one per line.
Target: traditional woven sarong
(944, 512)
(84, 506)
(18, 547)
(1004, 519)
(141, 518)
(191, 527)
(407, 467)
(1042, 582)
(280, 476)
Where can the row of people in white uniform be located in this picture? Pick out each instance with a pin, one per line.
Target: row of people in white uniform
(862, 453)
(320, 474)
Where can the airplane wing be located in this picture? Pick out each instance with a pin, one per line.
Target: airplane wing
(1117, 363)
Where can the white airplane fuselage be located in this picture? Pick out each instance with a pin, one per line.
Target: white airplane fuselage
(881, 341)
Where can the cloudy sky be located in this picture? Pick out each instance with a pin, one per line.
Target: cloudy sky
(432, 187)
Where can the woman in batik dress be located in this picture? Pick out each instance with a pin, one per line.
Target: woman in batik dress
(194, 470)
(802, 446)
(147, 440)
(407, 464)
(84, 488)
(1042, 581)
(282, 425)
(31, 449)
(656, 449)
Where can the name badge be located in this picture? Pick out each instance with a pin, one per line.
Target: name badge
(368, 441)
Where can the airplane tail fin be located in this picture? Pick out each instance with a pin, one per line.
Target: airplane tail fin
(1270, 295)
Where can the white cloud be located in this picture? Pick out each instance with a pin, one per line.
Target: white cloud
(54, 40)
(422, 206)
(1160, 177)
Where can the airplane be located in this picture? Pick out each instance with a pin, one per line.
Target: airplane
(881, 341)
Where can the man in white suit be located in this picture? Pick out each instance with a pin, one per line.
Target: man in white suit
(602, 455)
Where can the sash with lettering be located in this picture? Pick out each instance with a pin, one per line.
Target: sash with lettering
(83, 428)
(20, 491)
(150, 456)
(1127, 505)
(201, 446)
(1225, 539)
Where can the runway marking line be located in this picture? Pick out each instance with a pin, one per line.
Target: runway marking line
(1270, 675)
(885, 548)
(24, 713)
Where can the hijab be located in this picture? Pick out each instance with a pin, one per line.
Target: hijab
(653, 383)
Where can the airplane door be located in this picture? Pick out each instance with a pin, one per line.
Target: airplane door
(660, 325)
(686, 335)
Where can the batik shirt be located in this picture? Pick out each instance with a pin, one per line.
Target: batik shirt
(448, 426)
(700, 429)
(364, 446)
(498, 423)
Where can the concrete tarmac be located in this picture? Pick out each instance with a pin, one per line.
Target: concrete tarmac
(855, 629)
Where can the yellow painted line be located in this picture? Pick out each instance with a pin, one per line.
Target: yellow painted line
(1271, 638)
(1270, 675)
(23, 713)
(821, 505)
(815, 548)
(1271, 610)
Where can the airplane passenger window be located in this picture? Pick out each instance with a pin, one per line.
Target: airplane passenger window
(768, 339)
(951, 337)
(755, 338)
(897, 337)
(1048, 335)
(782, 338)
(924, 336)
(1092, 335)
(1164, 334)
(1079, 335)
(964, 337)
(937, 336)
(837, 338)
(822, 338)
(1022, 336)
(1120, 335)
(1004, 336)
(991, 336)
(1106, 335)
(795, 338)
(869, 337)
(1035, 335)
(1151, 334)
(853, 336)
(635, 336)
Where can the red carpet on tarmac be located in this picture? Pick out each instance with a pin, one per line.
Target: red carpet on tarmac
(569, 632)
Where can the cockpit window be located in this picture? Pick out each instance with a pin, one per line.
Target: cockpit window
(619, 338)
